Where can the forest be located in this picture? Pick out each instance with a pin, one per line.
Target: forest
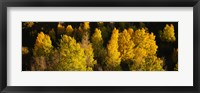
(99, 46)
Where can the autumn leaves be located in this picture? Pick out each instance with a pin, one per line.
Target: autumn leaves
(80, 49)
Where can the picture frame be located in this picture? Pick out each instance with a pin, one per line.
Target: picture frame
(103, 3)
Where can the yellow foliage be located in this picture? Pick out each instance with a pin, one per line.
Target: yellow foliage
(96, 38)
(72, 56)
(97, 44)
(25, 50)
(43, 45)
(126, 45)
(150, 63)
(145, 40)
(113, 58)
(29, 24)
(69, 30)
(168, 34)
(130, 31)
(60, 29)
(86, 25)
(144, 51)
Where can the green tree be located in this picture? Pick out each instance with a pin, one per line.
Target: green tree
(87, 46)
(168, 34)
(113, 57)
(72, 56)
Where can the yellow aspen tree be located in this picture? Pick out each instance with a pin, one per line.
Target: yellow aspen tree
(42, 49)
(113, 57)
(168, 34)
(96, 38)
(97, 42)
(82, 29)
(145, 58)
(150, 63)
(60, 29)
(25, 50)
(146, 41)
(86, 25)
(69, 30)
(99, 50)
(88, 50)
(126, 46)
(43, 45)
(72, 56)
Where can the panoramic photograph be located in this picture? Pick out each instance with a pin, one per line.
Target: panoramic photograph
(99, 46)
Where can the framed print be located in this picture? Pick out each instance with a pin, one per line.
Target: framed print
(99, 46)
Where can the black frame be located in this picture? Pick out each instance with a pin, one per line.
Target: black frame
(100, 3)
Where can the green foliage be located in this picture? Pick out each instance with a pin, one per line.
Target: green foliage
(113, 57)
(72, 56)
(168, 34)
